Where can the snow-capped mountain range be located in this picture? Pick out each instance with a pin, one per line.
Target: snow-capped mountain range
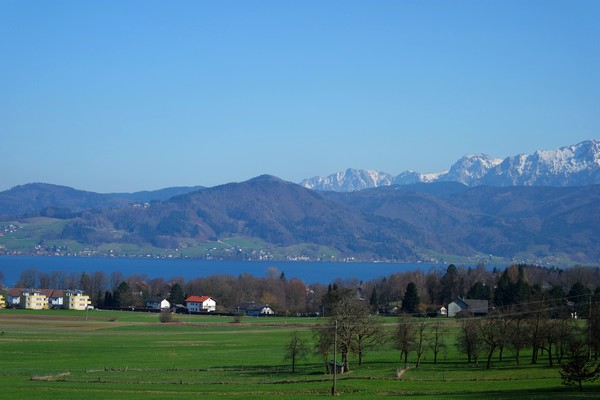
(575, 165)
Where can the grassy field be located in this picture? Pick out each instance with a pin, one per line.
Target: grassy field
(106, 355)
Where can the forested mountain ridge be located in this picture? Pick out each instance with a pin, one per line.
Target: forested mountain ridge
(397, 223)
(43, 198)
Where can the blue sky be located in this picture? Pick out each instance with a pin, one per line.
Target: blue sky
(113, 96)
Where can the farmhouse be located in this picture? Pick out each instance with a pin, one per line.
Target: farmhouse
(253, 309)
(200, 303)
(158, 303)
(471, 306)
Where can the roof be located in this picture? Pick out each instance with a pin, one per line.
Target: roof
(477, 306)
(251, 306)
(50, 293)
(156, 300)
(197, 299)
(474, 305)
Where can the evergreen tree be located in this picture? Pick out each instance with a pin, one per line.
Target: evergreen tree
(373, 300)
(503, 292)
(521, 288)
(580, 367)
(448, 283)
(479, 291)
(108, 299)
(123, 297)
(580, 296)
(176, 295)
(411, 300)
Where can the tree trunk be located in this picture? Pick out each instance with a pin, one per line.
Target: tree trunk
(360, 355)
(489, 358)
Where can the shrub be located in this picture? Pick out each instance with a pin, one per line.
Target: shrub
(165, 317)
(237, 318)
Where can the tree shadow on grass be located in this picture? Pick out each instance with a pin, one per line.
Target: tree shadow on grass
(274, 370)
(512, 394)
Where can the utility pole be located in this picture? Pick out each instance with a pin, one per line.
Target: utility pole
(590, 328)
(333, 389)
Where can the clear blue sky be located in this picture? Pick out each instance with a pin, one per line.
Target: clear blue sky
(124, 95)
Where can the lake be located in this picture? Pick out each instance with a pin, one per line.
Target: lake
(310, 272)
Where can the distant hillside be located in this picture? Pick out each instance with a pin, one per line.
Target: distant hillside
(402, 223)
(46, 199)
(156, 195)
(278, 212)
(35, 198)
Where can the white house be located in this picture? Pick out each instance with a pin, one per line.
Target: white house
(55, 297)
(201, 303)
(158, 304)
(13, 297)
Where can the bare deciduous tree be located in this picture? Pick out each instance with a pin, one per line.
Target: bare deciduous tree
(437, 340)
(295, 350)
(405, 337)
(469, 340)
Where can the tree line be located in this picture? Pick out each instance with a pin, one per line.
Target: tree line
(413, 292)
(543, 325)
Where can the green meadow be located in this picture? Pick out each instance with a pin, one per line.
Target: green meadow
(54, 354)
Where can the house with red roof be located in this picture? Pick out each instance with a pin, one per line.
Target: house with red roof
(201, 304)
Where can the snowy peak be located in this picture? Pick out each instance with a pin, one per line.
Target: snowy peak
(349, 180)
(470, 168)
(575, 165)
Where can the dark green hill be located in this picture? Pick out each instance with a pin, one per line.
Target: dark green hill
(46, 199)
(37, 198)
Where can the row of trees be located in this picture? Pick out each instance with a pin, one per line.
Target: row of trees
(542, 327)
(411, 291)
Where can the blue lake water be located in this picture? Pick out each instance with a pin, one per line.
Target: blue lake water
(310, 272)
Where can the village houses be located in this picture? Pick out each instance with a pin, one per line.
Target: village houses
(41, 299)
